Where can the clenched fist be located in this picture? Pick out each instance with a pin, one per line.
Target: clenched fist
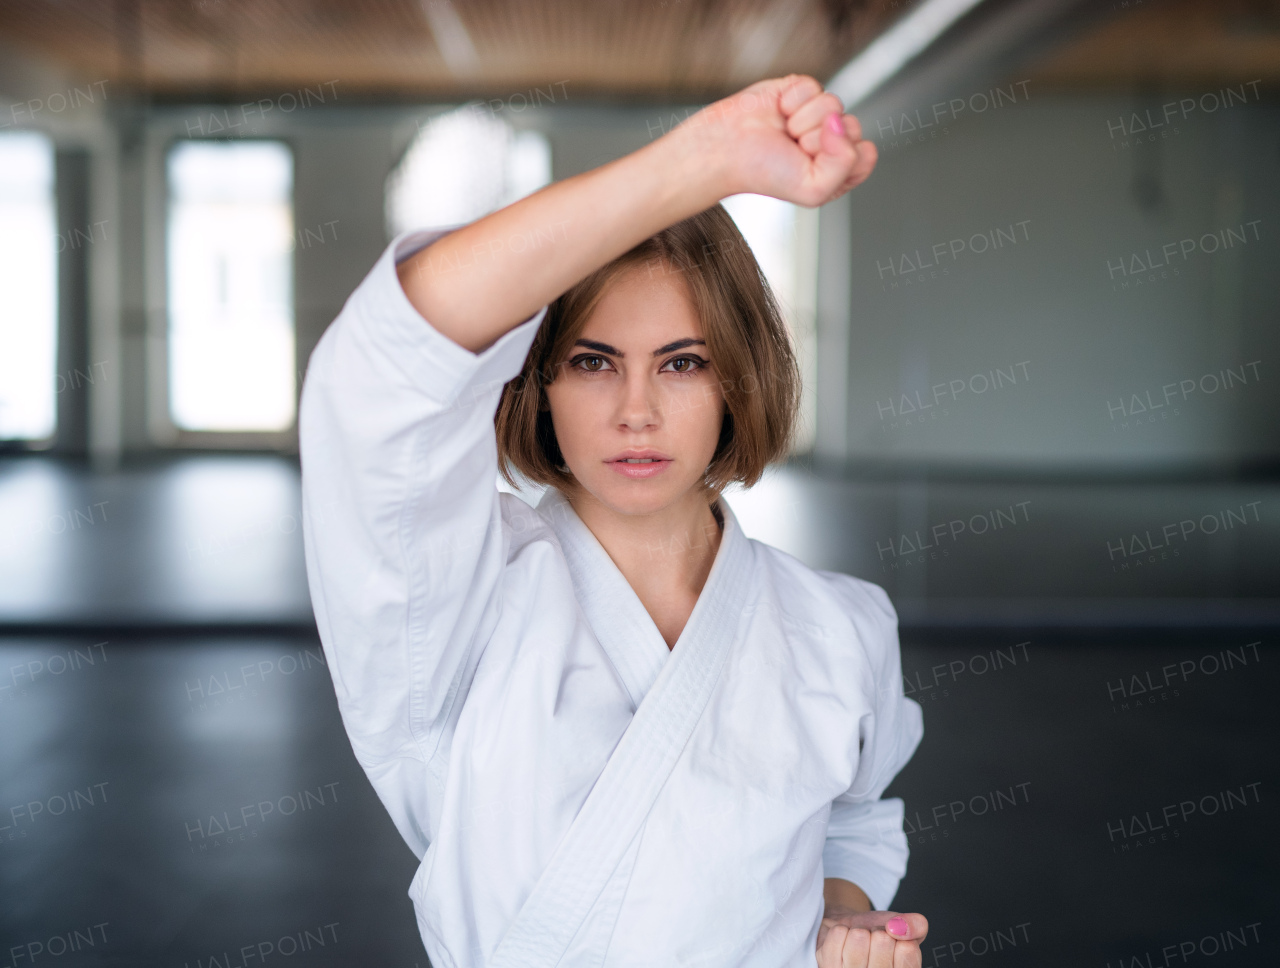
(874, 939)
(783, 137)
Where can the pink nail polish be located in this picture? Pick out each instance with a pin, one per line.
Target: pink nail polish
(833, 122)
(897, 926)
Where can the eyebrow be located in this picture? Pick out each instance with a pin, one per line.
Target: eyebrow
(614, 351)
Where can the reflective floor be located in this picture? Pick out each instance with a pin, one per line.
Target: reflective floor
(205, 540)
(217, 541)
(189, 801)
(194, 802)
(176, 788)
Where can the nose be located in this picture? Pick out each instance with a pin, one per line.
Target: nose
(638, 405)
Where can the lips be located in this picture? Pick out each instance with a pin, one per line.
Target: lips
(639, 457)
(637, 464)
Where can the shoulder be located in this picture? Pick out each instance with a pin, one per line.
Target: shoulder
(854, 595)
(831, 598)
(522, 525)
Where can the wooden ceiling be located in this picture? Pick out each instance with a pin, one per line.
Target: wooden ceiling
(1171, 44)
(182, 49)
(642, 49)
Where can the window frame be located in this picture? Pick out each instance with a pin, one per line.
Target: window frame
(49, 442)
(162, 432)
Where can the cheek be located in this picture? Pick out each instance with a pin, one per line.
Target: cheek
(573, 415)
(695, 414)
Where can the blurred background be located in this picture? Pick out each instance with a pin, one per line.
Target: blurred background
(1041, 410)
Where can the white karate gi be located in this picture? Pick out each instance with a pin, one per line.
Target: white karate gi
(578, 794)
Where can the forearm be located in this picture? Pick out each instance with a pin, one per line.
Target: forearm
(477, 283)
(844, 896)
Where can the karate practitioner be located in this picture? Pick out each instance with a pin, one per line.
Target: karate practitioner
(614, 730)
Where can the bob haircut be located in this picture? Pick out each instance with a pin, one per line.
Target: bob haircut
(747, 340)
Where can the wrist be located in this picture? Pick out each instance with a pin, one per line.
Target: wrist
(844, 897)
(832, 913)
(695, 174)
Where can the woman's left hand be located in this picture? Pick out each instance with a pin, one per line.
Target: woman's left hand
(874, 939)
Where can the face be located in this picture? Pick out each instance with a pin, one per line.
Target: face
(636, 403)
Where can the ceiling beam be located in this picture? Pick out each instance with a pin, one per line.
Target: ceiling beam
(991, 39)
(889, 53)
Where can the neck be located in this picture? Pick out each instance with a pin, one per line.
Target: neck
(665, 554)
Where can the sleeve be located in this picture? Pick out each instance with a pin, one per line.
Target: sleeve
(866, 844)
(402, 526)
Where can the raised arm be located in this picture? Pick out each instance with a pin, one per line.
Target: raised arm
(781, 137)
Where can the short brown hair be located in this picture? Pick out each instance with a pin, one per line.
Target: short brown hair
(746, 336)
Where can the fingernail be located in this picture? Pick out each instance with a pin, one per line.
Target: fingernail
(897, 926)
(833, 122)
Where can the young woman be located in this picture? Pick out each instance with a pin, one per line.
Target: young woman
(614, 730)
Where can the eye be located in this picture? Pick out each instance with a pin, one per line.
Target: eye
(685, 365)
(590, 363)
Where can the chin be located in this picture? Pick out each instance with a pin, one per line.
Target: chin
(625, 496)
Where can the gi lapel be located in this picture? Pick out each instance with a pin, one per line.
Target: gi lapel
(616, 809)
(613, 610)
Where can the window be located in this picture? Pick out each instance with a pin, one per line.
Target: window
(783, 238)
(29, 246)
(462, 165)
(230, 286)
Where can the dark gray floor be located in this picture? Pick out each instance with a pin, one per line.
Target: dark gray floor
(1065, 794)
(1095, 782)
(178, 800)
(1027, 802)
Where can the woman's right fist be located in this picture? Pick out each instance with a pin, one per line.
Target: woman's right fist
(871, 939)
(782, 137)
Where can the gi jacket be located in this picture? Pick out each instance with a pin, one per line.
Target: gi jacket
(578, 794)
